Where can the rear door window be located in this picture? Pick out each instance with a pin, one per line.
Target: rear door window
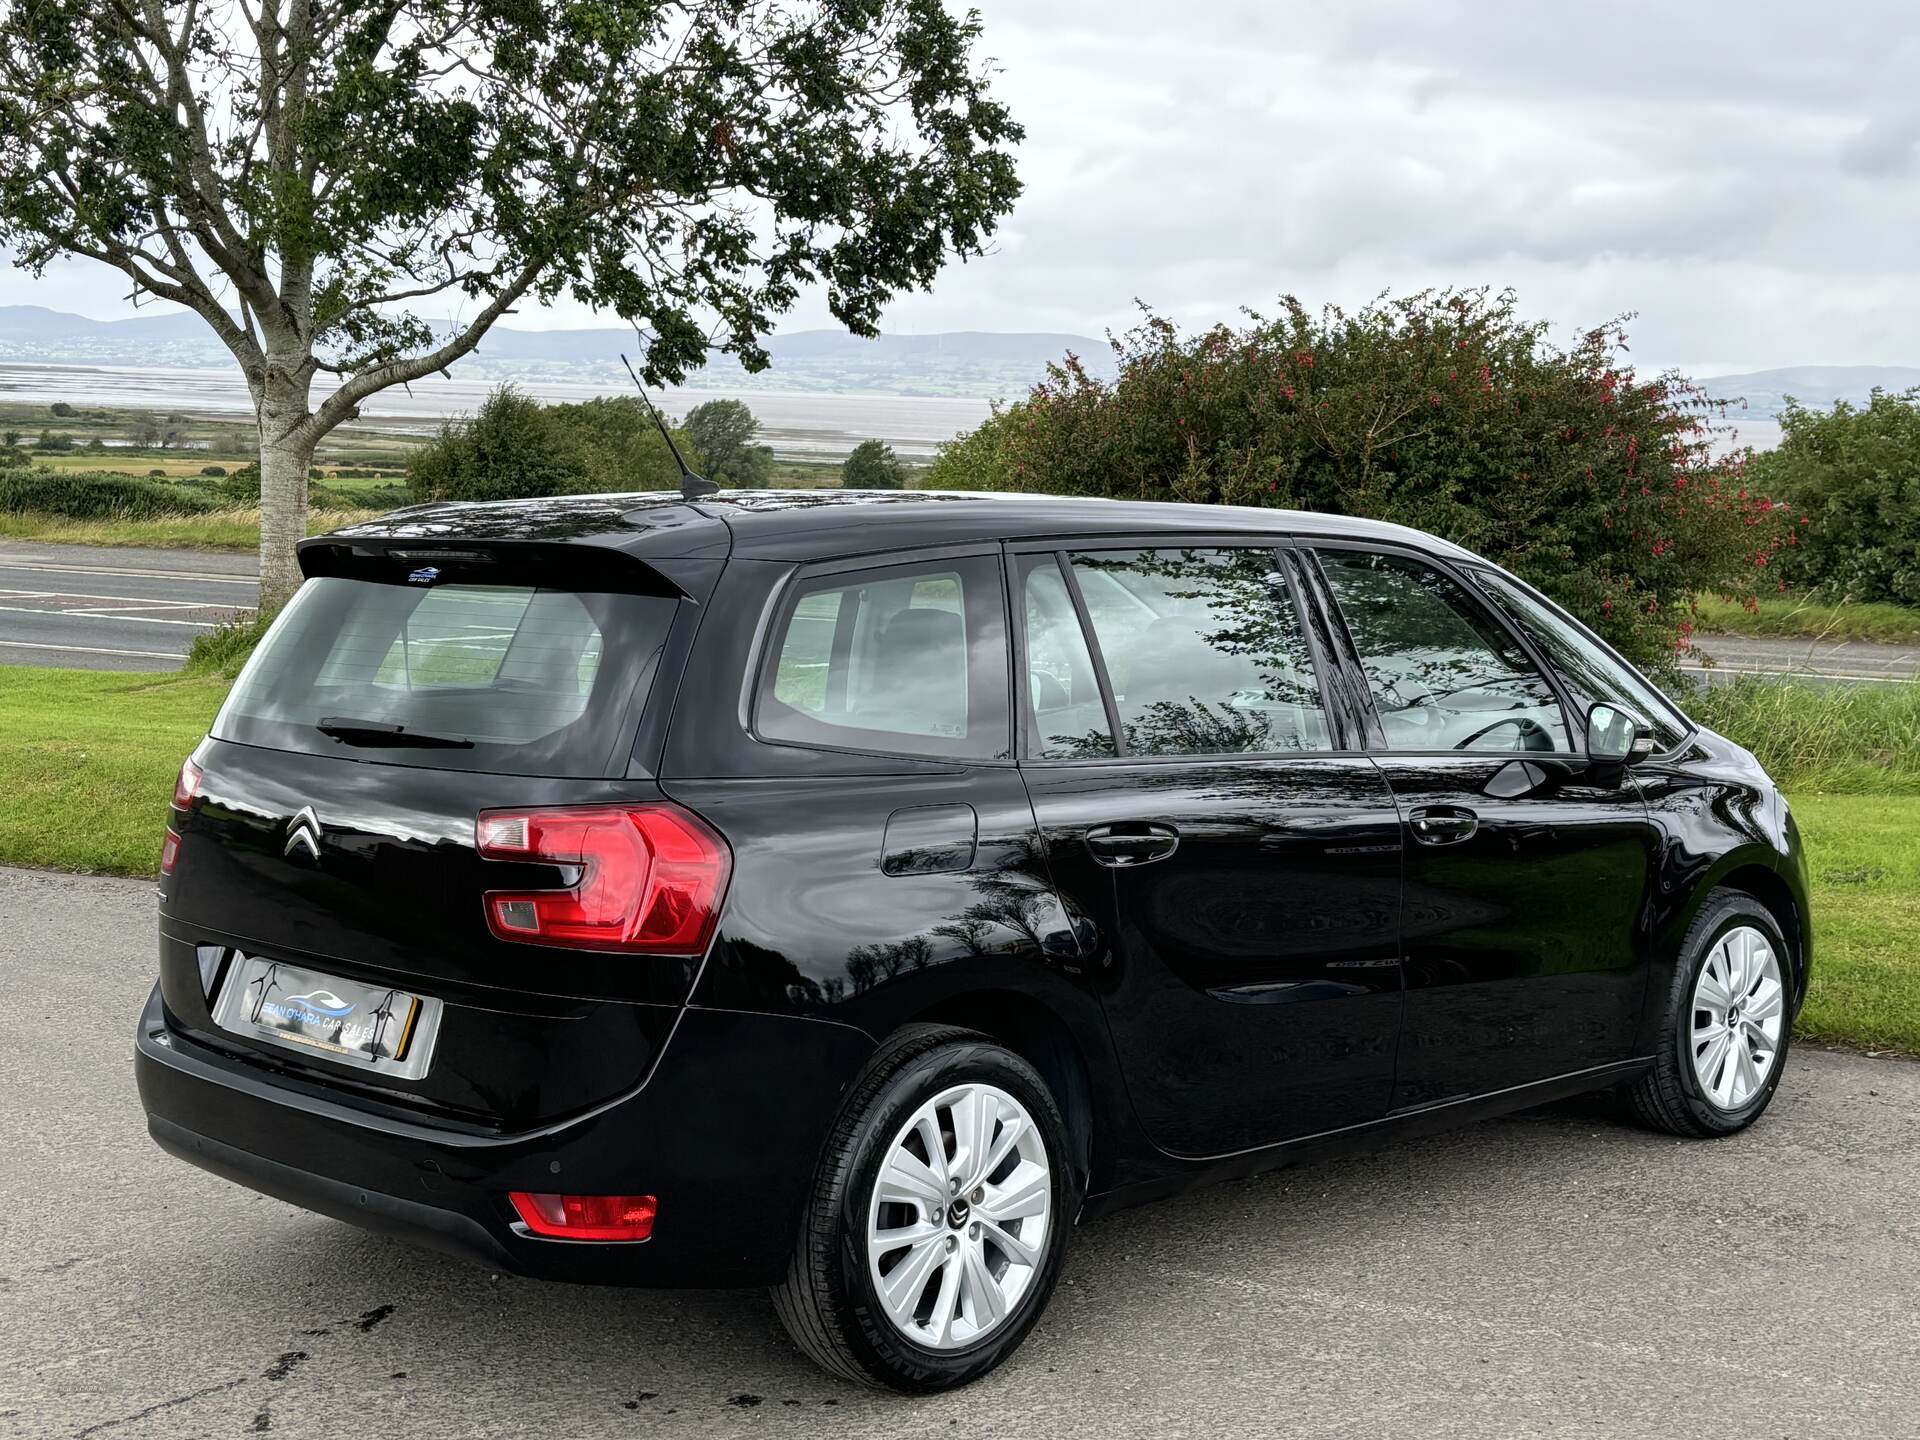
(503, 678)
(903, 659)
(1204, 651)
(1444, 674)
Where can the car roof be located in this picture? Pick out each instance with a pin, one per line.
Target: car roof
(798, 525)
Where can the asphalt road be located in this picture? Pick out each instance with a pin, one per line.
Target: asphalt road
(1551, 1274)
(1820, 662)
(94, 608)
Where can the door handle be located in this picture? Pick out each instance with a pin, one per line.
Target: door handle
(1443, 824)
(1132, 842)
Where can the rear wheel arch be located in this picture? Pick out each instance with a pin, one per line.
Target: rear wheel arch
(1038, 1035)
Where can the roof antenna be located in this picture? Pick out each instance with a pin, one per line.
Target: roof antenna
(692, 487)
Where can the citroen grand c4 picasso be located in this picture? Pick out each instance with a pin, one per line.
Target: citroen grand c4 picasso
(852, 893)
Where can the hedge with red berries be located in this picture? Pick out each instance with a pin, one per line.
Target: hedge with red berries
(1442, 410)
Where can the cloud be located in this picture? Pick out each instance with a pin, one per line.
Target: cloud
(1746, 177)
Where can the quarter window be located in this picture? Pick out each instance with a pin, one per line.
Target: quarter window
(908, 659)
(1204, 652)
(1444, 674)
(1069, 719)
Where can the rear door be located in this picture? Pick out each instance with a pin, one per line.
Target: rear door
(1526, 873)
(1237, 872)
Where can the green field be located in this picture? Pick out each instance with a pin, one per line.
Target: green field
(82, 746)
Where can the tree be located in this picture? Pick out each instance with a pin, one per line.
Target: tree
(1853, 473)
(872, 466)
(351, 176)
(62, 410)
(515, 447)
(1442, 410)
(723, 432)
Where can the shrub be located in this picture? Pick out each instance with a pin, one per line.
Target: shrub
(58, 443)
(12, 457)
(225, 648)
(723, 432)
(514, 448)
(242, 487)
(1444, 411)
(62, 410)
(872, 466)
(91, 495)
(1854, 476)
(216, 471)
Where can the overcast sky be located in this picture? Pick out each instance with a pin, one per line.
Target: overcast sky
(1745, 176)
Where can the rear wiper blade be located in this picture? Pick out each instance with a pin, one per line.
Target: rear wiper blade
(379, 732)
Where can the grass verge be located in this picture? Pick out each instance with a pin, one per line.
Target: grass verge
(216, 530)
(85, 746)
(1839, 738)
(1797, 617)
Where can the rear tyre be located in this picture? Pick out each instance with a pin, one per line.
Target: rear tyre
(1728, 1023)
(934, 1232)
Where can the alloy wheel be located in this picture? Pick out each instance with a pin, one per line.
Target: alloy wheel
(957, 1229)
(1739, 1007)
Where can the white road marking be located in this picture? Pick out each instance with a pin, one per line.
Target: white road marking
(129, 619)
(6, 564)
(92, 650)
(91, 595)
(1803, 674)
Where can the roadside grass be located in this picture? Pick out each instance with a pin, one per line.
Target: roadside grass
(1865, 858)
(236, 529)
(1800, 617)
(87, 763)
(1859, 739)
(88, 759)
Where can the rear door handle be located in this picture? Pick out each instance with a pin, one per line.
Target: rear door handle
(1443, 824)
(1132, 842)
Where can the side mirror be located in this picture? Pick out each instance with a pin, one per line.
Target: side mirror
(1617, 736)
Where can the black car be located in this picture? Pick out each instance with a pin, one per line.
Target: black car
(850, 893)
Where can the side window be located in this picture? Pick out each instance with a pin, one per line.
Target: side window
(1069, 719)
(1444, 674)
(907, 659)
(1204, 652)
(1591, 671)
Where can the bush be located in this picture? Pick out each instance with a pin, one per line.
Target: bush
(63, 410)
(1443, 411)
(872, 466)
(242, 487)
(156, 474)
(91, 495)
(514, 448)
(1854, 476)
(723, 432)
(225, 648)
(216, 471)
(12, 457)
(57, 443)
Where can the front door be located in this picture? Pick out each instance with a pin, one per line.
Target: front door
(1238, 878)
(1526, 870)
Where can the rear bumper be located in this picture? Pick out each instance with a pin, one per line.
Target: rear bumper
(726, 1133)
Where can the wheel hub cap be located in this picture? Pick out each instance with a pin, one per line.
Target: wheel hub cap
(1739, 1011)
(960, 1217)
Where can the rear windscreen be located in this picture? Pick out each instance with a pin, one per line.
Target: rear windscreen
(509, 679)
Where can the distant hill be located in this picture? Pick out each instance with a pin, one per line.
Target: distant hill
(972, 363)
(1814, 386)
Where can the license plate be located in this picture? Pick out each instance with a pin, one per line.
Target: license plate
(374, 1027)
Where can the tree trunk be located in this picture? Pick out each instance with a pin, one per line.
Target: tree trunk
(286, 453)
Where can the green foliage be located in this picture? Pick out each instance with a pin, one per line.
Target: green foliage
(1444, 411)
(242, 487)
(218, 472)
(12, 457)
(723, 433)
(90, 495)
(1853, 738)
(515, 447)
(1854, 475)
(225, 648)
(62, 410)
(57, 442)
(873, 466)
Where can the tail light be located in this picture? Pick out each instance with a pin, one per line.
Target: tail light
(586, 1217)
(186, 785)
(650, 877)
